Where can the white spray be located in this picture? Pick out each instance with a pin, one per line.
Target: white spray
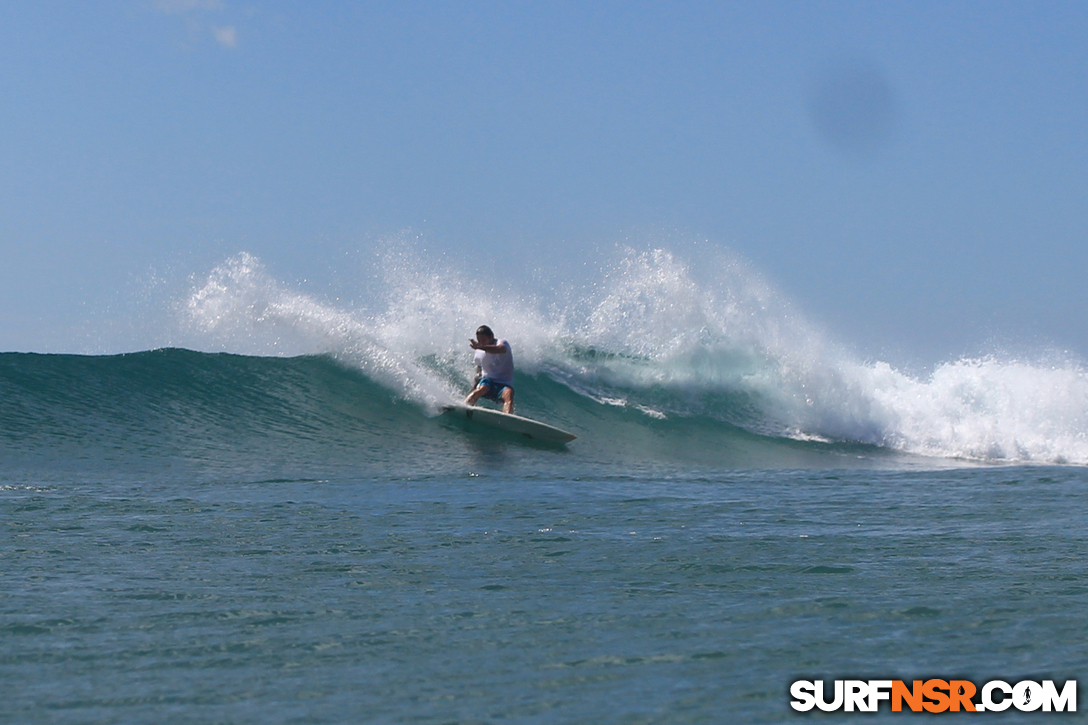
(651, 336)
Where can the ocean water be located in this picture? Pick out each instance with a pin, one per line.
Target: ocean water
(288, 532)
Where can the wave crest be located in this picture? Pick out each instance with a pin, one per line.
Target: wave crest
(658, 336)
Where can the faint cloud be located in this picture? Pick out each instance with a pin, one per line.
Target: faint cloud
(193, 13)
(853, 108)
(225, 36)
(185, 6)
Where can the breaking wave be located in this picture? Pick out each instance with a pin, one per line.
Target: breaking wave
(654, 359)
(655, 336)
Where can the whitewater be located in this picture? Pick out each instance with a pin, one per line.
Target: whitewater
(653, 336)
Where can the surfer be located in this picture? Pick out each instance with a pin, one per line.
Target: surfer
(494, 369)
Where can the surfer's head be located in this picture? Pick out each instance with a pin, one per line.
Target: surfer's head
(484, 334)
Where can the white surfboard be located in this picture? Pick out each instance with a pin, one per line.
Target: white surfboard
(508, 422)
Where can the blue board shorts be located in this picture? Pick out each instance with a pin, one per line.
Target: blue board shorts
(494, 390)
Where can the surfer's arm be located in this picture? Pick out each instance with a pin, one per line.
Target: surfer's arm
(493, 349)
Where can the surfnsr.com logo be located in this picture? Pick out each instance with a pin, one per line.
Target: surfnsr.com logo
(935, 696)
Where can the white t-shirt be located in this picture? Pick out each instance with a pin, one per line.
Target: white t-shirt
(499, 366)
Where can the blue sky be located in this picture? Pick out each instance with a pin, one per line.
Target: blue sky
(913, 175)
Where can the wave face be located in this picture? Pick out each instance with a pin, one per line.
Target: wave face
(655, 360)
(235, 414)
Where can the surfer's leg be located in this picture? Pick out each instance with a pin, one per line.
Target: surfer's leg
(476, 394)
(508, 400)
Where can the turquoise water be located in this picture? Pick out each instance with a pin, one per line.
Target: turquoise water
(192, 537)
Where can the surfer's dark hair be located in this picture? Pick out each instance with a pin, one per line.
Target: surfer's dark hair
(485, 330)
